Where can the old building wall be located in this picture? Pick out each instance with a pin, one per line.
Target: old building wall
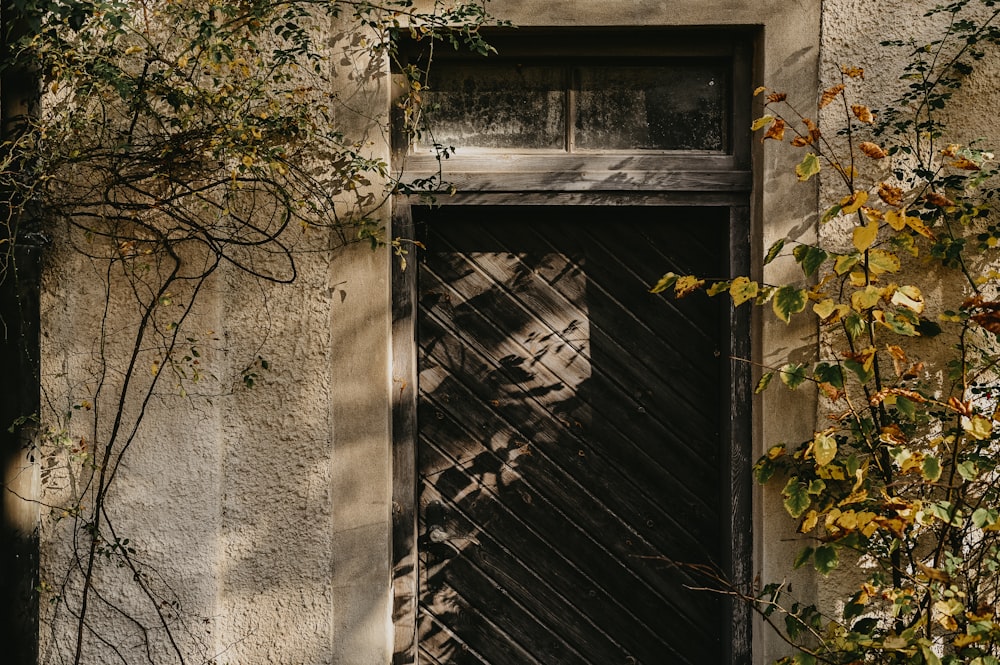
(267, 511)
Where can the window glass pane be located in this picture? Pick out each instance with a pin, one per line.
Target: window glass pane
(495, 106)
(676, 107)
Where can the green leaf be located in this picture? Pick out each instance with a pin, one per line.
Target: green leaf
(855, 325)
(665, 283)
(810, 258)
(830, 213)
(864, 376)
(788, 300)
(967, 469)
(772, 253)
(906, 406)
(796, 497)
(808, 167)
(984, 517)
(827, 373)
(764, 470)
(931, 468)
(763, 383)
(792, 375)
(802, 658)
(930, 658)
(900, 325)
(825, 558)
(717, 288)
(803, 557)
(845, 262)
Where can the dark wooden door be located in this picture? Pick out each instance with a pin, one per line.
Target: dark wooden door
(571, 435)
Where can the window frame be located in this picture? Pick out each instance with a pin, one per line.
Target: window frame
(674, 178)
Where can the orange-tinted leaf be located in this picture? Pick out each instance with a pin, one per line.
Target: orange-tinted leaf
(830, 94)
(965, 164)
(863, 113)
(873, 150)
(814, 132)
(899, 361)
(891, 195)
(776, 131)
(776, 97)
(853, 72)
(989, 320)
(939, 200)
(800, 141)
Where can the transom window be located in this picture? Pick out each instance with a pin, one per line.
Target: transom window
(591, 110)
(545, 106)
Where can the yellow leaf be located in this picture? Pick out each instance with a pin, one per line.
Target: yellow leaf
(743, 289)
(809, 522)
(918, 225)
(824, 448)
(909, 297)
(866, 298)
(808, 167)
(895, 218)
(979, 427)
(881, 261)
(825, 308)
(761, 122)
(686, 284)
(759, 90)
(864, 236)
(851, 204)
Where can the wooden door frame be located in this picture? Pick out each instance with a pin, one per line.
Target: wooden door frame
(736, 386)
(654, 180)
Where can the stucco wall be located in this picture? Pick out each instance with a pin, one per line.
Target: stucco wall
(268, 510)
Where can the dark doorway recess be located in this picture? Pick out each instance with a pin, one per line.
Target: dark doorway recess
(575, 438)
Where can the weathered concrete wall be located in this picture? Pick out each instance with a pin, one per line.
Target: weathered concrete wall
(268, 510)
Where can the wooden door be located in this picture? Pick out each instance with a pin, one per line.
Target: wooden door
(573, 436)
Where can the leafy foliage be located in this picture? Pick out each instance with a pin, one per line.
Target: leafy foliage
(903, 478)
(172, 138)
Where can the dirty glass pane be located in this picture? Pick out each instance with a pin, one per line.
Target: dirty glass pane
(673, 107)
(498, 106)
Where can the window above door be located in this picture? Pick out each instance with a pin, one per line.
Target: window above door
(587, 110)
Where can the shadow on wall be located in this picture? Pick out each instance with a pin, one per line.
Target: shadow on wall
(19, 529)
(568, 437)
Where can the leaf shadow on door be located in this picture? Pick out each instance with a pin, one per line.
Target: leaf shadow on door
(561, 467)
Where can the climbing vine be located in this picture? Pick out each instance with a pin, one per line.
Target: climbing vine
(900, 482)
(171, 141)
